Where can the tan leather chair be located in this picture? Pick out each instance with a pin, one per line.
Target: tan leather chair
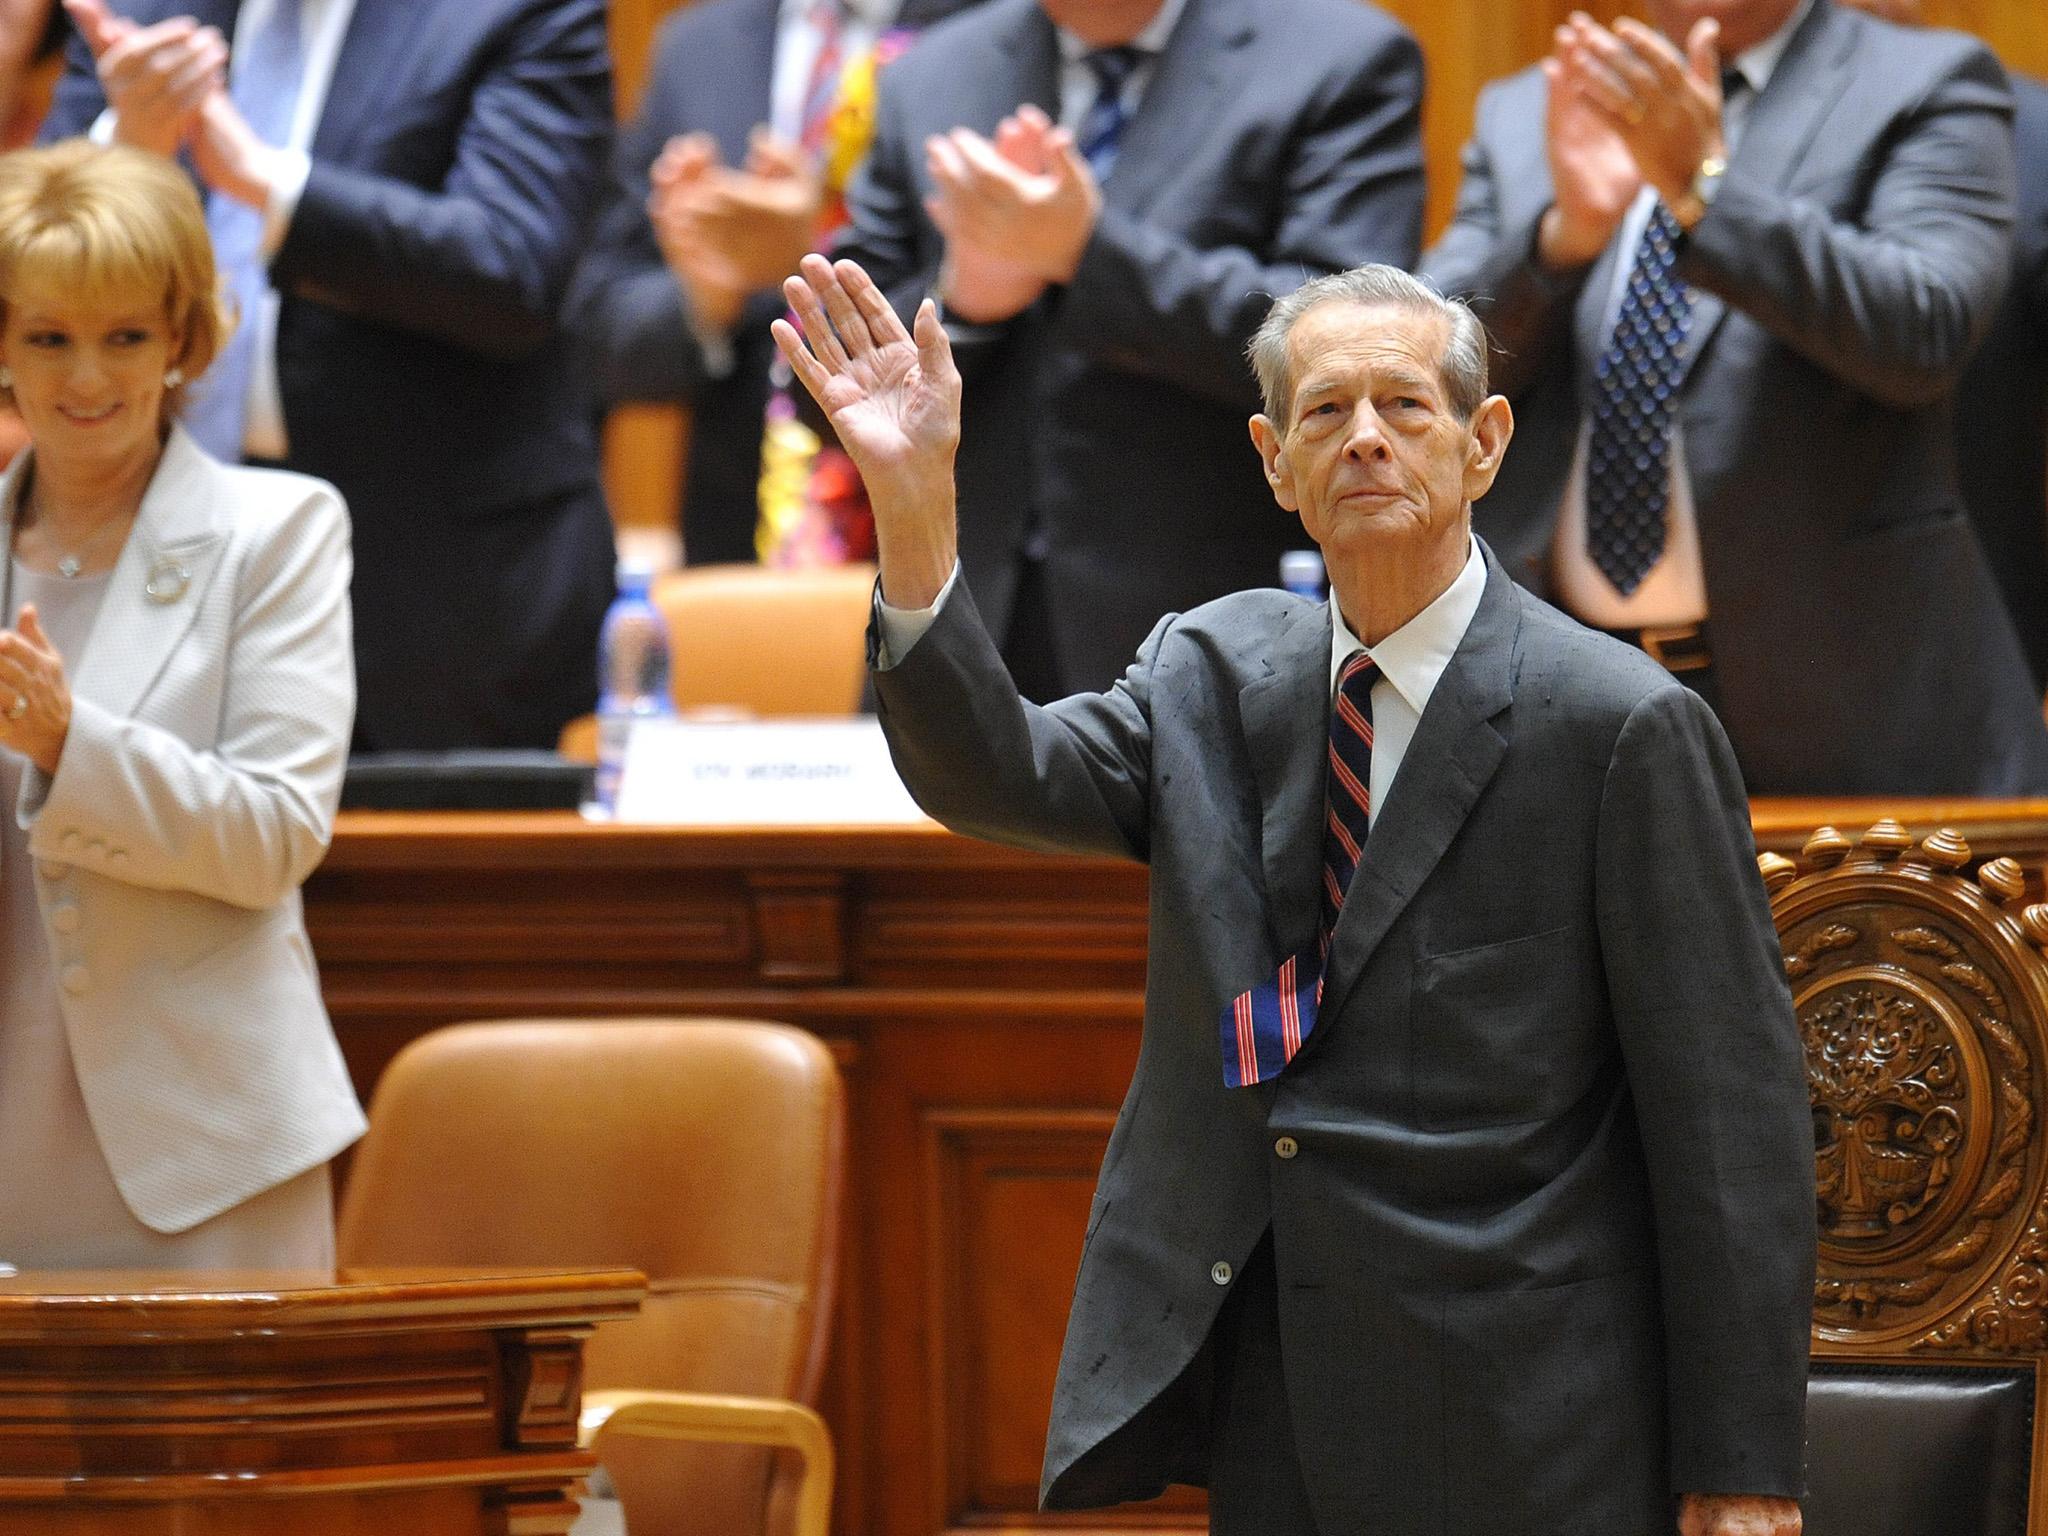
(707, 1154)
(771, 642)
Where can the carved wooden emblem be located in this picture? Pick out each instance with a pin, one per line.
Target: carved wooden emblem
(1921, 995)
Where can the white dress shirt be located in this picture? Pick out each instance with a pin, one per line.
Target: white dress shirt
(1674, 592)
(798, 41)
(1411, 660)
(323, 25)
(1078, 87)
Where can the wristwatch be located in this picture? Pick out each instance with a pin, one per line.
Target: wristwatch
(1706, 181)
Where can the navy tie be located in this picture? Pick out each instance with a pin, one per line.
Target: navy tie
(1264, 1027)
(1635, 398)
(269, 63)
(1104, 125)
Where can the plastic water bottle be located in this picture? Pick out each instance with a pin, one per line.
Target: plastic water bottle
(1301, 572)
(632, 675)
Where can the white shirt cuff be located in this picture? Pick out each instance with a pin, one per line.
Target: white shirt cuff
(902, 628)
(288, 177)
(102, 129)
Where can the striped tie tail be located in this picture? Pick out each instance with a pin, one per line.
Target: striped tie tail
(1265, 1027)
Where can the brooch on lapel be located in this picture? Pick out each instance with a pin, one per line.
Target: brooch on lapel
(168, 580)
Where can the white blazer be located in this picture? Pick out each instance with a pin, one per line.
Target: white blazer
(210, 722)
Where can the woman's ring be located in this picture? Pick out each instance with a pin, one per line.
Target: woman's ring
(19, 707)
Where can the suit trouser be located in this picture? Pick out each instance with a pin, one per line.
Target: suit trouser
(1225, 1420)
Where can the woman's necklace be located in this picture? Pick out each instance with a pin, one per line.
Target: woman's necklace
(71, 563)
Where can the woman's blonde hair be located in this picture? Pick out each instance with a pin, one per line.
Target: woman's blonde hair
(106, 220)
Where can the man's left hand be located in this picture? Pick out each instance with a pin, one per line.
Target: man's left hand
(762, 219)
(1665, 109)
(1040, 219)
(1737, 1514)
(232, 160)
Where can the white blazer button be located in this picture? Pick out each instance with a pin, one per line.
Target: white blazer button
(70, 842)
(65, 919)
(1220, 1272)
(118, 856)
(1286, 1146)
(76, 979)
(95, 849)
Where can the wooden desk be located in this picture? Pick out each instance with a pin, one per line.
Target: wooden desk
(430, 1402)
(985, 1004)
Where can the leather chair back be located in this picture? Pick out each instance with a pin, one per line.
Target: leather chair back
(771, 642)
(707, 1153)
(1921, 991)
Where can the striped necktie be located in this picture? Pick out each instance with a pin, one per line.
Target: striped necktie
(269, 64)
(1264, 1027)
(1103, 128)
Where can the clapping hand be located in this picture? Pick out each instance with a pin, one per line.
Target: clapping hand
(156, 78)
(1017, 212)
(1591, 170)
(35, 700)
(893, 398)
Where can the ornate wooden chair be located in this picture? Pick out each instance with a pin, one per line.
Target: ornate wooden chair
(1921, 992)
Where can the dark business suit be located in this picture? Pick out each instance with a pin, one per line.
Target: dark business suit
(1852, 258)
(713, 73)
(2002, 406)
(1278, 139)
(1543, 1254)
(455, 171)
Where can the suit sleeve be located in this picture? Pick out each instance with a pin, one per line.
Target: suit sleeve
(1069, 777)
(1715, 1066)
(245, 820)
(483, 259)
(1148, 301)
(630, 317)
(1492, 264)
(1894, 302)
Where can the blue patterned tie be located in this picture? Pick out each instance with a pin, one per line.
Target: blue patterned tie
(1263, 1028)
(1104, 125)
(264, 85)
(1635, 397)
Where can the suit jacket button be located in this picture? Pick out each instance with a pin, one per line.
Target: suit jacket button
(65, 919)
(1220, 1272)
(1286, 1146)
(76, 979)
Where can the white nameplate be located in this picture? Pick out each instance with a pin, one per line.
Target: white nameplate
(762, 773)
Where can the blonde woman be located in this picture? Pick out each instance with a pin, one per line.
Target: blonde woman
(176, 695)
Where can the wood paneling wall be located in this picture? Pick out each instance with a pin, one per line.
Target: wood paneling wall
(1466, 44)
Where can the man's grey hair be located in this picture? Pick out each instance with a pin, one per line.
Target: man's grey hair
(1462, 366)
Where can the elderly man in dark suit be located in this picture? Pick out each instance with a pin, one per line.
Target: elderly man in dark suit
(1735, 267)
(1100, 278)
(1466, 1180)
(398, 190)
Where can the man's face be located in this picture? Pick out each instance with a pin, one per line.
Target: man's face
(1103, 23)
(1372, 455)
(1744, 23)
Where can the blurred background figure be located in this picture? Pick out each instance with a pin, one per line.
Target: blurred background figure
(175, 698)
(1734, 268)
(2002, 404)
(398, 191)
(1106, 195)
(756, 113)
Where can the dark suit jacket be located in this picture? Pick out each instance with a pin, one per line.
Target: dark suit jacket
(455, 171)
(1277, 139)
(713, 73)
(1852, 259)
(2002, 406)
(1546, 1252)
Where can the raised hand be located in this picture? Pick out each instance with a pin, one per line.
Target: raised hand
(894, 400)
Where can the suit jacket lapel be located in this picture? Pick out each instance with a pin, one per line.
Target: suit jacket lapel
(1196, 66)
(1456, 749)
(153, 596)
(1811, 74)
(377, 53)
(1286, 719)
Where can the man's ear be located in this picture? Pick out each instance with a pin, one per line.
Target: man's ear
(1493, 424)
(1266, 438)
